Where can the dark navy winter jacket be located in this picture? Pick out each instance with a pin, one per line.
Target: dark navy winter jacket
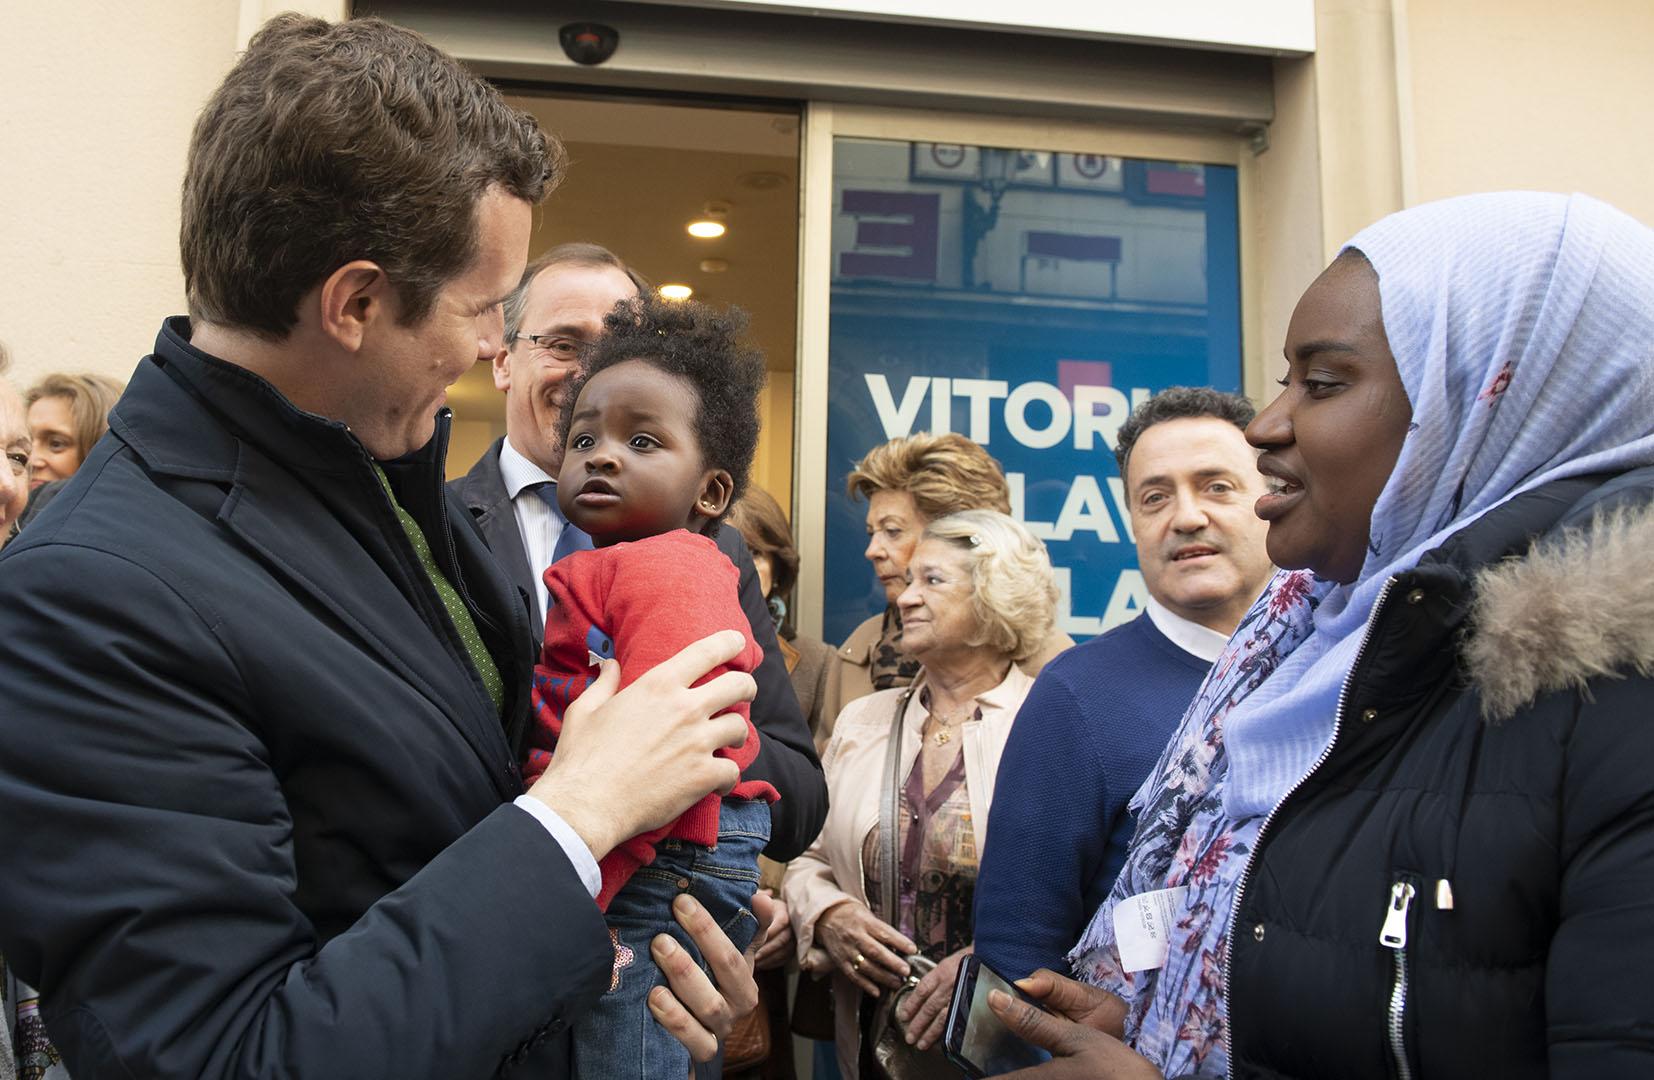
(1487, 807)
(252, 790)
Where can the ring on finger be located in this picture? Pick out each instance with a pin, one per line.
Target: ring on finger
(855, 965)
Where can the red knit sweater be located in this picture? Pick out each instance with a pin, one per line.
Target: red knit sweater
(639, 603)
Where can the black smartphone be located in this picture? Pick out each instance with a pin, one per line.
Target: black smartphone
(976, 1039)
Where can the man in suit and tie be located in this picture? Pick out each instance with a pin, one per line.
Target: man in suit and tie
(557, 308)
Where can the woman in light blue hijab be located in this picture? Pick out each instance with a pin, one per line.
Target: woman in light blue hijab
(1407, 826)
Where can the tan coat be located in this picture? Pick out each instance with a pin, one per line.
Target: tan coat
(830, 870)
(850, 673)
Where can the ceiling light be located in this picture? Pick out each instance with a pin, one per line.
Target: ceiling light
(675, 292)
(709, 266)
(706, 229)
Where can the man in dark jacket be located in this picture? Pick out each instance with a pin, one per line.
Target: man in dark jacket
(264, 685)
(557, 308)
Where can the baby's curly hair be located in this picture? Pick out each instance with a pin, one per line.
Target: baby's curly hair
(702, 346)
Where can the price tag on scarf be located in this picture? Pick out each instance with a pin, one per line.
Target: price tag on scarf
(1142, 927)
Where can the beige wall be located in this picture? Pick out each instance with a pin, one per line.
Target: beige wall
(99, 102)
(1405, 101)
(1530, 94)
(1408, 101)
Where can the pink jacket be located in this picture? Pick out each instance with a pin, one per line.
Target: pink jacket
(830, 871)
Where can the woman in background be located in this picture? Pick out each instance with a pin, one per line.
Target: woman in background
(872, 891)
(761, 523)
(14, 441)
(908, 483)
(67, 415)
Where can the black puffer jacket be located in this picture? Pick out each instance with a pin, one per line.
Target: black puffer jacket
(1488, 805)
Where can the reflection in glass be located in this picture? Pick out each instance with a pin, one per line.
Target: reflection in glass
(1026, 299)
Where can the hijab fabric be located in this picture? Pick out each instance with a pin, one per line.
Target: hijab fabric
(1522, 326)
(1521, 329)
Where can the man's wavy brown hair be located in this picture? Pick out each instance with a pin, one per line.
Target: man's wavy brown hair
(332, 142)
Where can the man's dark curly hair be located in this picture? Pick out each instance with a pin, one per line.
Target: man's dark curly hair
(702, 346)
(1179, 403)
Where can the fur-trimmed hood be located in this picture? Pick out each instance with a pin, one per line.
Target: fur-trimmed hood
(1578, 606)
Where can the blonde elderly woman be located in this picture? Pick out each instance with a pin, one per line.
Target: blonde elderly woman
(908, 483)
(979, 598)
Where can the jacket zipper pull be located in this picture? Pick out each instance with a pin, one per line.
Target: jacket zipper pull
(1394, 936)
(1394, 933)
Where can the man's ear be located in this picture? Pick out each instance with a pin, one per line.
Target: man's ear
(353, 298)
(716, 488)
(501, 367)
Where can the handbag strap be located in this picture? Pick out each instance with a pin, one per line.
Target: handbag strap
(889, 812)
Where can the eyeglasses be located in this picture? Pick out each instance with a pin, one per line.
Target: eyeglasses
(560, 348)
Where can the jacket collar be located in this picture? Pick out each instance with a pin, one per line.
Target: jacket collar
(1442, 614)
(1006, 697)
(247, 406)
(858, 647)
(483, 488)
(1578, 606)
(300, 490)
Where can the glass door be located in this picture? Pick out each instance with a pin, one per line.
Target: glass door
(1024, 286)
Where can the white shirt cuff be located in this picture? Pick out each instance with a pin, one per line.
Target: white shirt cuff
(567, 839)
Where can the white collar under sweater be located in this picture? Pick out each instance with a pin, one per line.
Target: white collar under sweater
(1191, 637)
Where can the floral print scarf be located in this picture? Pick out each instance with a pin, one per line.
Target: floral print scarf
(1185, 838)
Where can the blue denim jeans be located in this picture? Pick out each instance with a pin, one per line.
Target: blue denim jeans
(619, 1038)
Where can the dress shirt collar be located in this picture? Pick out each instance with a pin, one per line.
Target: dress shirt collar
(518, 472)
(1191, 637)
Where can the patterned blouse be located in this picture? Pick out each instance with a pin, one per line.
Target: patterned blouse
(937, 858)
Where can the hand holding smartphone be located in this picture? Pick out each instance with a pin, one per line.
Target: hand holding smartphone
(976, 1039)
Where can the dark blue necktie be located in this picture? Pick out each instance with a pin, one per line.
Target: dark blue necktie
(571, 538)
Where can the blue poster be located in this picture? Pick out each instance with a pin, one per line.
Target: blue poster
(1028, 301)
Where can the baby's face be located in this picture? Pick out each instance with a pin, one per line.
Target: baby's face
(632, 466)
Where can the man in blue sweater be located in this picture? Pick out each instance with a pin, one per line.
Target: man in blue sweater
(1100, 714)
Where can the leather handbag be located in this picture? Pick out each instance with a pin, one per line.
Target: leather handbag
(748, 1043)
(893, 1056)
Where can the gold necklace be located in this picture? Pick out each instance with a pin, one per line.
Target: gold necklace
(945, 725)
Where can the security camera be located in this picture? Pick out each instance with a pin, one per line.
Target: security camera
(588, 42)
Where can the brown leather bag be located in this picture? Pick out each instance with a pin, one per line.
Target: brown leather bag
(893, 1056)
(748, 1045)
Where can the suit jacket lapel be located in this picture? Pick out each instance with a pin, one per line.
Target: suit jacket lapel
(311, 549)
(483, 489)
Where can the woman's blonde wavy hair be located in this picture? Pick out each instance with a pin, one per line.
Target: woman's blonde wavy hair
(90, 398)
(944, 473)
(1013, 589)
